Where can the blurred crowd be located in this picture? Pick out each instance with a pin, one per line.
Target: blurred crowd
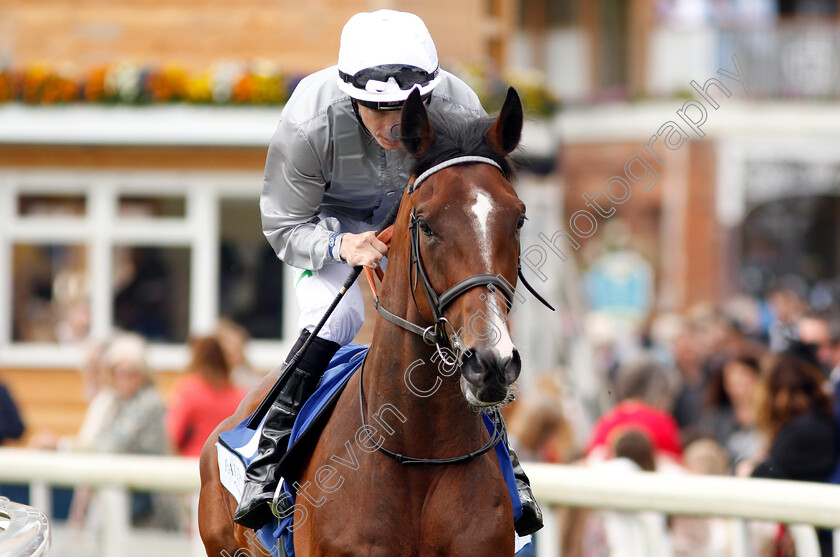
(128, 413)
(747, 389)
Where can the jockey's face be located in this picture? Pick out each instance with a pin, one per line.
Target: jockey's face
(383, 125)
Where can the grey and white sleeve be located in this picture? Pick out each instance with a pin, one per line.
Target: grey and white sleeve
(293, 188)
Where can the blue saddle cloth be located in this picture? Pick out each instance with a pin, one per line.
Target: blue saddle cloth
(276, 535)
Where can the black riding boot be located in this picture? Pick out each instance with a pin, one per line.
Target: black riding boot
(531, 519)
(254, 509)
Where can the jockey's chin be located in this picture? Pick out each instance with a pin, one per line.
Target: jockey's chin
(388, 144)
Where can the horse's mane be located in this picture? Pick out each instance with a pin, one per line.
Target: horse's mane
(457, 136)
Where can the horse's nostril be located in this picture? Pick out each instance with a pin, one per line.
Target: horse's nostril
(471, 368)
(506, 361)
(511, 366)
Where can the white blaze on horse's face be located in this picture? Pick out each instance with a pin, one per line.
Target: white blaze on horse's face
(481, 209)
(481, 225)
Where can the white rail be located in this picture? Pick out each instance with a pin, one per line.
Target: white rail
(799, 504)
(24, 531)
(796, 503)
(160, 474)
(112, 476)
(728, 497)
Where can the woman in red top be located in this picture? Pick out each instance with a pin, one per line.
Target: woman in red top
(644, 389)
(202, 399)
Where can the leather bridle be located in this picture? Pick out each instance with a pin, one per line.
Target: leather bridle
(435, 334)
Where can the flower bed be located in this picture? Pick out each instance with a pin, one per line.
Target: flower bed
(223, 84)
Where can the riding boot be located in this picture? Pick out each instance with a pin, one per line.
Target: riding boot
(531, 519)
(254, 508)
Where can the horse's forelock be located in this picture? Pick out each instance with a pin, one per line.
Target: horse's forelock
(457, 136)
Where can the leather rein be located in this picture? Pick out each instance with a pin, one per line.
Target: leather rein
(435, 334)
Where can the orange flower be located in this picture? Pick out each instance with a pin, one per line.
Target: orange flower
(94, 87)
(7, 89)
(243, 91)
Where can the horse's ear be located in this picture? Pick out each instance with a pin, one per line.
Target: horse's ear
(415, 131)
(506, 131)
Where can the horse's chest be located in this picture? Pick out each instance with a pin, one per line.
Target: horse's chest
(449, 517)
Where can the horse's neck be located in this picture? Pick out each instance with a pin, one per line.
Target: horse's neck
(404, 372)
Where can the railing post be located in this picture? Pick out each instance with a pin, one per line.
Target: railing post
(740, 538)
(804, 540)
(40, 497)
(548, 538)
(116, 521)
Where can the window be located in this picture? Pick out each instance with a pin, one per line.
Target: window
(151, 291)
(45, 205)
(250, 275)
(49, 293)
(165, 254)
(138, 206)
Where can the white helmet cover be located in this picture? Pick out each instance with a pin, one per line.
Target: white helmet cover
(384, 55)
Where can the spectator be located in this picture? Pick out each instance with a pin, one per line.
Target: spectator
(787, 307)
(535, 427)
(629, 534)
(689, 360)
(125, 415)
(694, 536)
(822, 331)
(795, 414)
(234, 337)
(202, 399)
(134, 421)
(635, 446)
(644, 390)
(730, 414)
(11, 425)
(99, 391)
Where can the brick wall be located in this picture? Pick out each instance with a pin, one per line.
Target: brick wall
(299, 36)
(702, 231)
(673, 225)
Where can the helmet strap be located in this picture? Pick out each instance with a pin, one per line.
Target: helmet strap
(359, 117)
(427, 99)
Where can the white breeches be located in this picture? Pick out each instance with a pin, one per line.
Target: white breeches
(316, 290)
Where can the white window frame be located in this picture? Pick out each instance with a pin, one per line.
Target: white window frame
(100, 230)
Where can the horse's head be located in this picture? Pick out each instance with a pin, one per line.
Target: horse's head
(464, 225)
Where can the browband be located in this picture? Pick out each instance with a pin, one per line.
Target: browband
(446, 164)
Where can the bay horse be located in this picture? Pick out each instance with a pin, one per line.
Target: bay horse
(455, 239)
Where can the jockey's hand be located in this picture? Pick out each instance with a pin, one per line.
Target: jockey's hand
(362, 249)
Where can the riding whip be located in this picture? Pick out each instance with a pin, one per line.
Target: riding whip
(259, 413)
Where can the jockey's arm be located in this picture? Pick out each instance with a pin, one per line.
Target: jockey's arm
(292, 192)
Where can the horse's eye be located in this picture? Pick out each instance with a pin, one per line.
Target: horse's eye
(424, 227)
(521, 222)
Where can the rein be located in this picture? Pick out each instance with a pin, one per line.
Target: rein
(498, 435)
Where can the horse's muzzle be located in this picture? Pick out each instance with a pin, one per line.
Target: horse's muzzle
(486, 376)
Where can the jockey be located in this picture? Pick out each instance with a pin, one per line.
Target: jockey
(335, 167)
